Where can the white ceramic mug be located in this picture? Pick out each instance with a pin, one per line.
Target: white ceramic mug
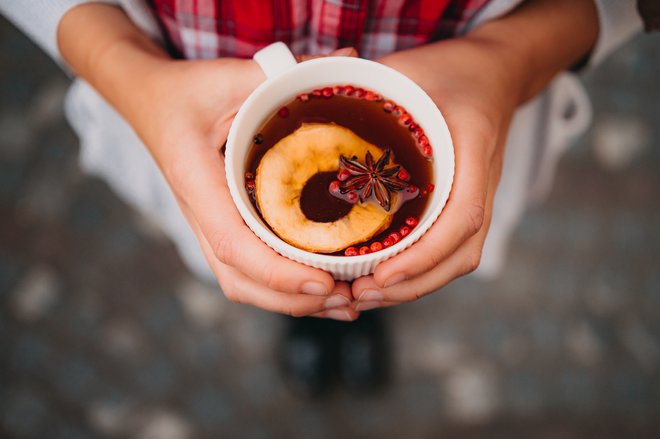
(285, 80)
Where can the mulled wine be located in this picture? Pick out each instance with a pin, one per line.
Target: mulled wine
(341, 171)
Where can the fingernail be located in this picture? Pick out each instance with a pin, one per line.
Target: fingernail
(315, 288)
(344, 51)
(370, 296)
(339, 314)
(394, 279)
(366, 306)
(335, 301)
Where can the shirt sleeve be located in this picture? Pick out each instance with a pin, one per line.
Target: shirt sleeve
(39, 19)
(618, 20)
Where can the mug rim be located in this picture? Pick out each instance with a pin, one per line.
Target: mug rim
(265, 233)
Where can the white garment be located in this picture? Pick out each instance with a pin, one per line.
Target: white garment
(540, 132)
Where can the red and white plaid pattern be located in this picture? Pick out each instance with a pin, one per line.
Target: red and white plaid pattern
(217, 28)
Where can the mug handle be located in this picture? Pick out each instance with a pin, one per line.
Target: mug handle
(275, 59)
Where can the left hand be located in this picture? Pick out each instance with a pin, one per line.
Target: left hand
(478, 81)
(477, 96)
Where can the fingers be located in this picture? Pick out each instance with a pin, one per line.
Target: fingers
(368, 293)
(461, 219)
(343, 313)
(344, 51)
(241, 289)
(203, 188)
(367, 305)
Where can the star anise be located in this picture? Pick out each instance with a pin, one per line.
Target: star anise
(372, 177)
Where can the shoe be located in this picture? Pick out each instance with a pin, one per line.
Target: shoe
(365, 361)
(308, 355)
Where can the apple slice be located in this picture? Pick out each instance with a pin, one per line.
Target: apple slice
(285, 169)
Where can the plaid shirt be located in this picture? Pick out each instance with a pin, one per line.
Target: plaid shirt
(217, 28)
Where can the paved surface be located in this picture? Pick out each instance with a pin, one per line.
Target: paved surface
(104, 333)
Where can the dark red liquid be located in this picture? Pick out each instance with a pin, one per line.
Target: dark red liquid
(368, 120)
(318, 204)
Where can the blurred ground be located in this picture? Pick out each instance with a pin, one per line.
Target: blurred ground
(103, 332)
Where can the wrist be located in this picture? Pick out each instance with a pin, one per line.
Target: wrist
(540, 39)
(114, 56)
(508, 68)
(517, 63)
(126, 73)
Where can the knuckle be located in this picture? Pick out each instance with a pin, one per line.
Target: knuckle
(231, 289)
(223, 247)
(289, 311)
(432, 254)
(269, 276)
(434, 258)
(472, 262)
(475, 214)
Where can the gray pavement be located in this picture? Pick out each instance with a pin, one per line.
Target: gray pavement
(104, 333)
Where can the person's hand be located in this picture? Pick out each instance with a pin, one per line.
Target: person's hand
(477, 108)
(197, 101)
(477, 81)
(182, 111)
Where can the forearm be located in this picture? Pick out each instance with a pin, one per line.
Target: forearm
(103, 46)
(540, 39)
